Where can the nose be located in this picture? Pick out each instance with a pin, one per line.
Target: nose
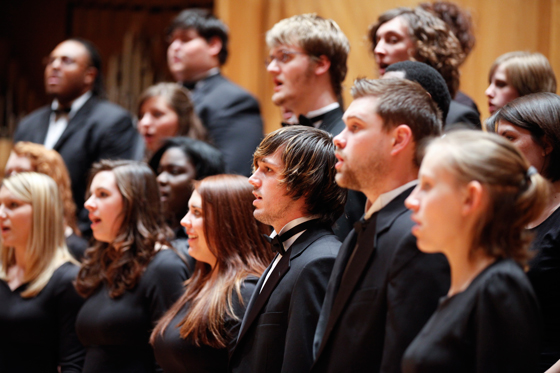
(339, 141)
(175, 45)
(2, 212)
(162, 178)
(186, 221)
(273, 67)
(412, 202)
(89, 204)
(145, 121)
(254, 180)
(490, 91)
(379, 48)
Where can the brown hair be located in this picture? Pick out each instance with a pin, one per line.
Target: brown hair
(308, 157)
(402, 101)
(318, 37)
(49, 162)
(526, 72)
(516, 196)
(235, 238)
(143, 227)
(538, 113)
(435, 43)
(178, 99)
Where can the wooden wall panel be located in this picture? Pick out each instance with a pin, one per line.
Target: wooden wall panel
(501, 26)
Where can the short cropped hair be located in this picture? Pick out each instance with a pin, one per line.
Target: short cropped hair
(308, 157)
(206, 25)
(98, 88)
(430, 79)
(402, 101)
(538, 113)
(435, 43)
(526, 72)
(317, 36)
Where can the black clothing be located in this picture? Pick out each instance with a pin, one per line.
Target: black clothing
(37, 334)
(276, 334)
(462, 114)
(544, 274)
(175, 354)
(233, 119)
(462, 98)
(492, 326)
(115, 332)
(377, 303)
(99, 130)
(77, 246)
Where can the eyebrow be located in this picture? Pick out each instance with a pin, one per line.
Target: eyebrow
(268, 161)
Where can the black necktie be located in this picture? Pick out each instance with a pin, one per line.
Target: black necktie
(276, 242)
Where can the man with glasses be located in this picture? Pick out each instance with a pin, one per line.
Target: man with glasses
(307, 62)
(198, 46)
(78, 124)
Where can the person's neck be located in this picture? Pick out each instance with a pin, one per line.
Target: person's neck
(465, 266)
(552, 204)
(389, 183)
(198, 76)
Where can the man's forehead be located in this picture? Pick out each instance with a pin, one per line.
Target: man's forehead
(70, 48)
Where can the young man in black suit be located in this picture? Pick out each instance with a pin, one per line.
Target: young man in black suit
(382, 289)
(307, 61)
(198, 47)
(79, 124)
(295, 192)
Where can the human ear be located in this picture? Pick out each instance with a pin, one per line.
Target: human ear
(322, 65)
(402, 136)
(90, 75)
(473, 200)
(215, 45)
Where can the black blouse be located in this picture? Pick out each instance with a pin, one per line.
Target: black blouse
(492, 326)
(544, 274)
(116, 331)
(37, 334)
(177, 355)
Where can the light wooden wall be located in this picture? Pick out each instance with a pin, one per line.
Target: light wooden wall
(501, 26)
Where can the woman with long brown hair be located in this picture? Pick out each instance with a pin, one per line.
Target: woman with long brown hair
(231, 253)
(131, 275)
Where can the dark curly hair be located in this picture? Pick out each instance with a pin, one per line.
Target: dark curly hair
(142, 229)
(435, 44)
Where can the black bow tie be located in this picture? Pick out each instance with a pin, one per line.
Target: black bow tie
(305, 121)
(276, 242)
(62, 110)
(189, 85)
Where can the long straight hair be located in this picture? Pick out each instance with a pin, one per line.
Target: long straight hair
(235, 238)
(46, 245)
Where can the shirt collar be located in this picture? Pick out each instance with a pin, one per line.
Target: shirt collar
(288, 243)
(385, 198)
(323, 110)
(76, 104)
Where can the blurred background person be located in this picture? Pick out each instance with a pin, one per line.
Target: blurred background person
(38, 301)
(131, 275)
(30, 157)
(517, 74)
(166, 110)
(532, 123)
(201, 329)
(476, 194)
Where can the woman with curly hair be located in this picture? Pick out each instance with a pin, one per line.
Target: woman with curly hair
(201, 328)
(38, 302)
(31, 157)
(131, 275)
(475, 197)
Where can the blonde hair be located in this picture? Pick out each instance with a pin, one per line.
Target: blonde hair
(46, 245)
(526, 72)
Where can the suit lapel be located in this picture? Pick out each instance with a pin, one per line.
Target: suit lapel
(331, 119)
(40, 132)
(76, 122)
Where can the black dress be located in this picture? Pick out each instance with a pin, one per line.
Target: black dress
(492, 326)
(544, 274)
(177, 355)
(37, 334)
(115, 332)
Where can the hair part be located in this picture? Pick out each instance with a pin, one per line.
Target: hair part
(514, 198)
(309, 173)
(435, 43)
(178, 99)
(538, 113)
(236, 239)
(206, 25)
(46, 245)
(142, 228)
(526, 72)
(318, 37)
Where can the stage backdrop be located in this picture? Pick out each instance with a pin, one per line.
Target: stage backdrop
(500, 26)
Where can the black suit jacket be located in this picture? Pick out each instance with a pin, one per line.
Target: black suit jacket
(233, 119)
(99, 130)
(459, 113)
(378, 313)
(355, 204)
(278, 337)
